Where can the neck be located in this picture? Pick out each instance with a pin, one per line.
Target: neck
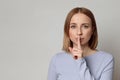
(87, 50)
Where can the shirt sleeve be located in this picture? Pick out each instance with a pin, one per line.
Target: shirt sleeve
(85, 73)
(107, 73)
(84, 70)
(52, 70)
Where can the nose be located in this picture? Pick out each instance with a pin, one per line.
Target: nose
(79, 32)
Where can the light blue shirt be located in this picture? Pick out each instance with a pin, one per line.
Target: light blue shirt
(98, 66)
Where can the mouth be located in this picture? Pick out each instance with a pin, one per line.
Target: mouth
(81, 39)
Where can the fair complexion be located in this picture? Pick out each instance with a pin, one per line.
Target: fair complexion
(80, 32)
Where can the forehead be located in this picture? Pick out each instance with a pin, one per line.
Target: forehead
(80, 17)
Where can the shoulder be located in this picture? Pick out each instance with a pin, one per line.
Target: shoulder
(107, 60)
(59, 55)
(105, 57)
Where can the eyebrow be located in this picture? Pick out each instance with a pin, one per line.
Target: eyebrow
(72, 23)
(86, 24)
(82, 23)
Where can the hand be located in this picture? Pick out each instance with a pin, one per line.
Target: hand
(76, 51)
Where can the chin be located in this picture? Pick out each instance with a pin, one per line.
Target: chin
(84, 44)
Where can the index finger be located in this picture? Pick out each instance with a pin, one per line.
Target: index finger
(78, 43)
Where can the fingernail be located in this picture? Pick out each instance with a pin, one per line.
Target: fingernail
(75, 57)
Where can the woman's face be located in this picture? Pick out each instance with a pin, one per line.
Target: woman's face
(80, 25)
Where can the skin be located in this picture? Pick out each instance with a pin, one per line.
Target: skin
(80, 32)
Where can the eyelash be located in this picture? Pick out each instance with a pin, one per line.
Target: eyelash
(85, 26)
(72, 26)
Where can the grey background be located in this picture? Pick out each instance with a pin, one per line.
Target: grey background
(31, 32)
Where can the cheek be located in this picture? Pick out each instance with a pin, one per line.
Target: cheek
(71, 34)
(89, 34)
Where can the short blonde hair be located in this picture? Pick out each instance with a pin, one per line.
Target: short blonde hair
(94, 38)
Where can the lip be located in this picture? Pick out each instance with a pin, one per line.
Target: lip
(81, 39)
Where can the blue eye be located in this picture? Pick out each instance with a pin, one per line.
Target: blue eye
(72, 27)
(85, 26)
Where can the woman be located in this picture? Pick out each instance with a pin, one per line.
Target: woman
(79, 59)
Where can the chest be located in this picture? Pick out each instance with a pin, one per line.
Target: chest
(70, 69)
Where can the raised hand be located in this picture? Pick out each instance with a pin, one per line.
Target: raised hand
(76, 51)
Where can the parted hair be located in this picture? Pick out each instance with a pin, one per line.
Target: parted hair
(93, 42)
